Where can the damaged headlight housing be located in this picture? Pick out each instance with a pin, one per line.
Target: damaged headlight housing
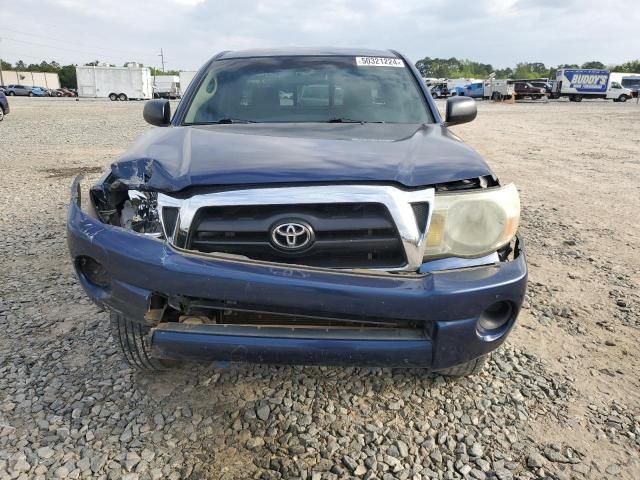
(140, 213)
(474, 223)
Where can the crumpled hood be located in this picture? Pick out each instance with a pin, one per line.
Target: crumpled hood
(174, 158)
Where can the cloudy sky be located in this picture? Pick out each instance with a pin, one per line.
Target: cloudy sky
(500, 32)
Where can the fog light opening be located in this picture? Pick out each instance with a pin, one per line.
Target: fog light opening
(495, 320)
(93, 271)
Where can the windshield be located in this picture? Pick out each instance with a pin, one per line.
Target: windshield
(308, 89)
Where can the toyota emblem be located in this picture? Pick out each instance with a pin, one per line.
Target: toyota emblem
(292, 236)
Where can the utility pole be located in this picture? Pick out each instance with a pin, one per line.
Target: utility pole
(162, 58)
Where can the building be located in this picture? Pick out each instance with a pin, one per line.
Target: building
(30, 79)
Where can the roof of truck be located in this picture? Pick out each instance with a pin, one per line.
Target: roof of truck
(309, 51)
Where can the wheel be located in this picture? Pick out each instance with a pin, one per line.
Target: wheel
(11, 94)
(31, 94)
(464, 370)
(134, 342)
(113, 97)
(578, 98)
(156, 95)
(1, 114)
(122, 97)
(622, 98)
(58, 94)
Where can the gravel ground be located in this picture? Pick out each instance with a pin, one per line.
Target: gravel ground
(560, 401)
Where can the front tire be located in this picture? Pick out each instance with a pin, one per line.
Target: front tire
(122, 97)
(622, 98)
(113, 97)
(465, 369)
(134, 342)
(31, 94)
(1, 114)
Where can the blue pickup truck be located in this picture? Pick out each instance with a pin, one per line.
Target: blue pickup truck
(255, 225)
(474, 90)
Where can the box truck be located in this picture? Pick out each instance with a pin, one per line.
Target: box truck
(114, 83)
(498, 89)
(586, 83)
(166, 86)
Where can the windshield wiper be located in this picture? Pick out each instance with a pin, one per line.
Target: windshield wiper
(348, 120)
(222, 121)
(233, 120)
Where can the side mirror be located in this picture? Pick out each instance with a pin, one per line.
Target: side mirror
(157, 112)
(460, 110)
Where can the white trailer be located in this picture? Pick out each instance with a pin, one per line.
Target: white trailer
(114, 83)
(166, 86)
(186, 77)
(588, 83)
(498, 89)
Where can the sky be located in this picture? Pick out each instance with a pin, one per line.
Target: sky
(499, 32)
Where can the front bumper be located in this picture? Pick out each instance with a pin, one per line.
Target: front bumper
(450, 302)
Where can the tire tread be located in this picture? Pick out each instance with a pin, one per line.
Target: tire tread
(133, 340)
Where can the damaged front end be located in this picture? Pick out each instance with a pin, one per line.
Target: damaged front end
(219, 306)
(127, 205)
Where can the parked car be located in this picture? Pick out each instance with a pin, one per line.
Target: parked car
(4, 106)
(353, 231)
(20, 90)
(49, 92)
(546, 85)
(38, 92)
(525, 89)
(457, 91)
(440, 90)
(65, 92)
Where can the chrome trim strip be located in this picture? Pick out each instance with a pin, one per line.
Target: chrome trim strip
(397, 201)
(453, 263)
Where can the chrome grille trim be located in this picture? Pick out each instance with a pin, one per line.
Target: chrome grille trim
(397, 201)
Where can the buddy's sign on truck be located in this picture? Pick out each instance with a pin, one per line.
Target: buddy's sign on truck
(586, 83)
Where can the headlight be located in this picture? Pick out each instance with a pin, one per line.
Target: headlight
(472, 224)
(140, 213)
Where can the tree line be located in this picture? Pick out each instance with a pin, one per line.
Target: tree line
(428, 67)
(461, 68)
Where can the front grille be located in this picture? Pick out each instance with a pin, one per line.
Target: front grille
(348, 235)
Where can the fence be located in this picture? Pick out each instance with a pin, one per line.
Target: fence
(30, 79)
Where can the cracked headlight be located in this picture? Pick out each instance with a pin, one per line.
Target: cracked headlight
(472, 224)
(140, 213)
